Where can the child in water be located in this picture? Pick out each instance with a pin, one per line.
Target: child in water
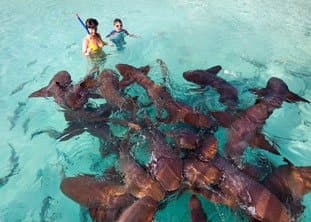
(92, 43)
(118, 34)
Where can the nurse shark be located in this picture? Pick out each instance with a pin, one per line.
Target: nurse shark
(176, 111)
(245, 126)
(208, 77)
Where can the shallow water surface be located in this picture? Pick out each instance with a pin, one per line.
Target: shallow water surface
(251, 40)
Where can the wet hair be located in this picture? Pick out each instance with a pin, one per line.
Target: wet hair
(117, 20)
(91, 23)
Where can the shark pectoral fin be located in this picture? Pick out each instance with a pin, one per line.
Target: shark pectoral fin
(132, 104)
(71, 131)
(71, 134)
(88, 83)
(257, 91)
(43, 92)
(225, 119)
(144, 69)
(51, 133)
(292, 97)
(126, 81)
(260, 141)
(199, 89)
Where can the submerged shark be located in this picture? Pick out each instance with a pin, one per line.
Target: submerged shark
(290, 183)
(14, 167)
(105, 200)
(228, 93)
(245, 127)
(142, 210)
(106, 85)
(137, 179)
(257, 200)
(177, 111)
(66, 94)
(165, 164)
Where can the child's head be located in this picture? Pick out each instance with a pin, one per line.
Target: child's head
(91, 24)
(117, 23)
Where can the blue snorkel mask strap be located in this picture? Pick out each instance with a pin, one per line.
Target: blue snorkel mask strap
(82, 23)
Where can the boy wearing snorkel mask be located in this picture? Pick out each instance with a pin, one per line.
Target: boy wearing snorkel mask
(118, 34)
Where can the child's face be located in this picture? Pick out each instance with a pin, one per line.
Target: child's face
(118, 26)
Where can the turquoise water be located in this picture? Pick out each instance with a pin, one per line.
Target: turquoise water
(252, 41)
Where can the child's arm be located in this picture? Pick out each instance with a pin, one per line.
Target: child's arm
(131, 35)
(103, 43)
(134, 35)
(111, 34)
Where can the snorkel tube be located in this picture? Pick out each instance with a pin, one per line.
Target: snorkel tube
(82, 23)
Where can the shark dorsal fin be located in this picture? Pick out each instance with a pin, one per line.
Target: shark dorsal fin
(214, 70)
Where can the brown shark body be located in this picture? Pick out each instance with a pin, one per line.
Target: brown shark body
(166, 165)
(138, 181)
(177, 111)
(228, 94)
